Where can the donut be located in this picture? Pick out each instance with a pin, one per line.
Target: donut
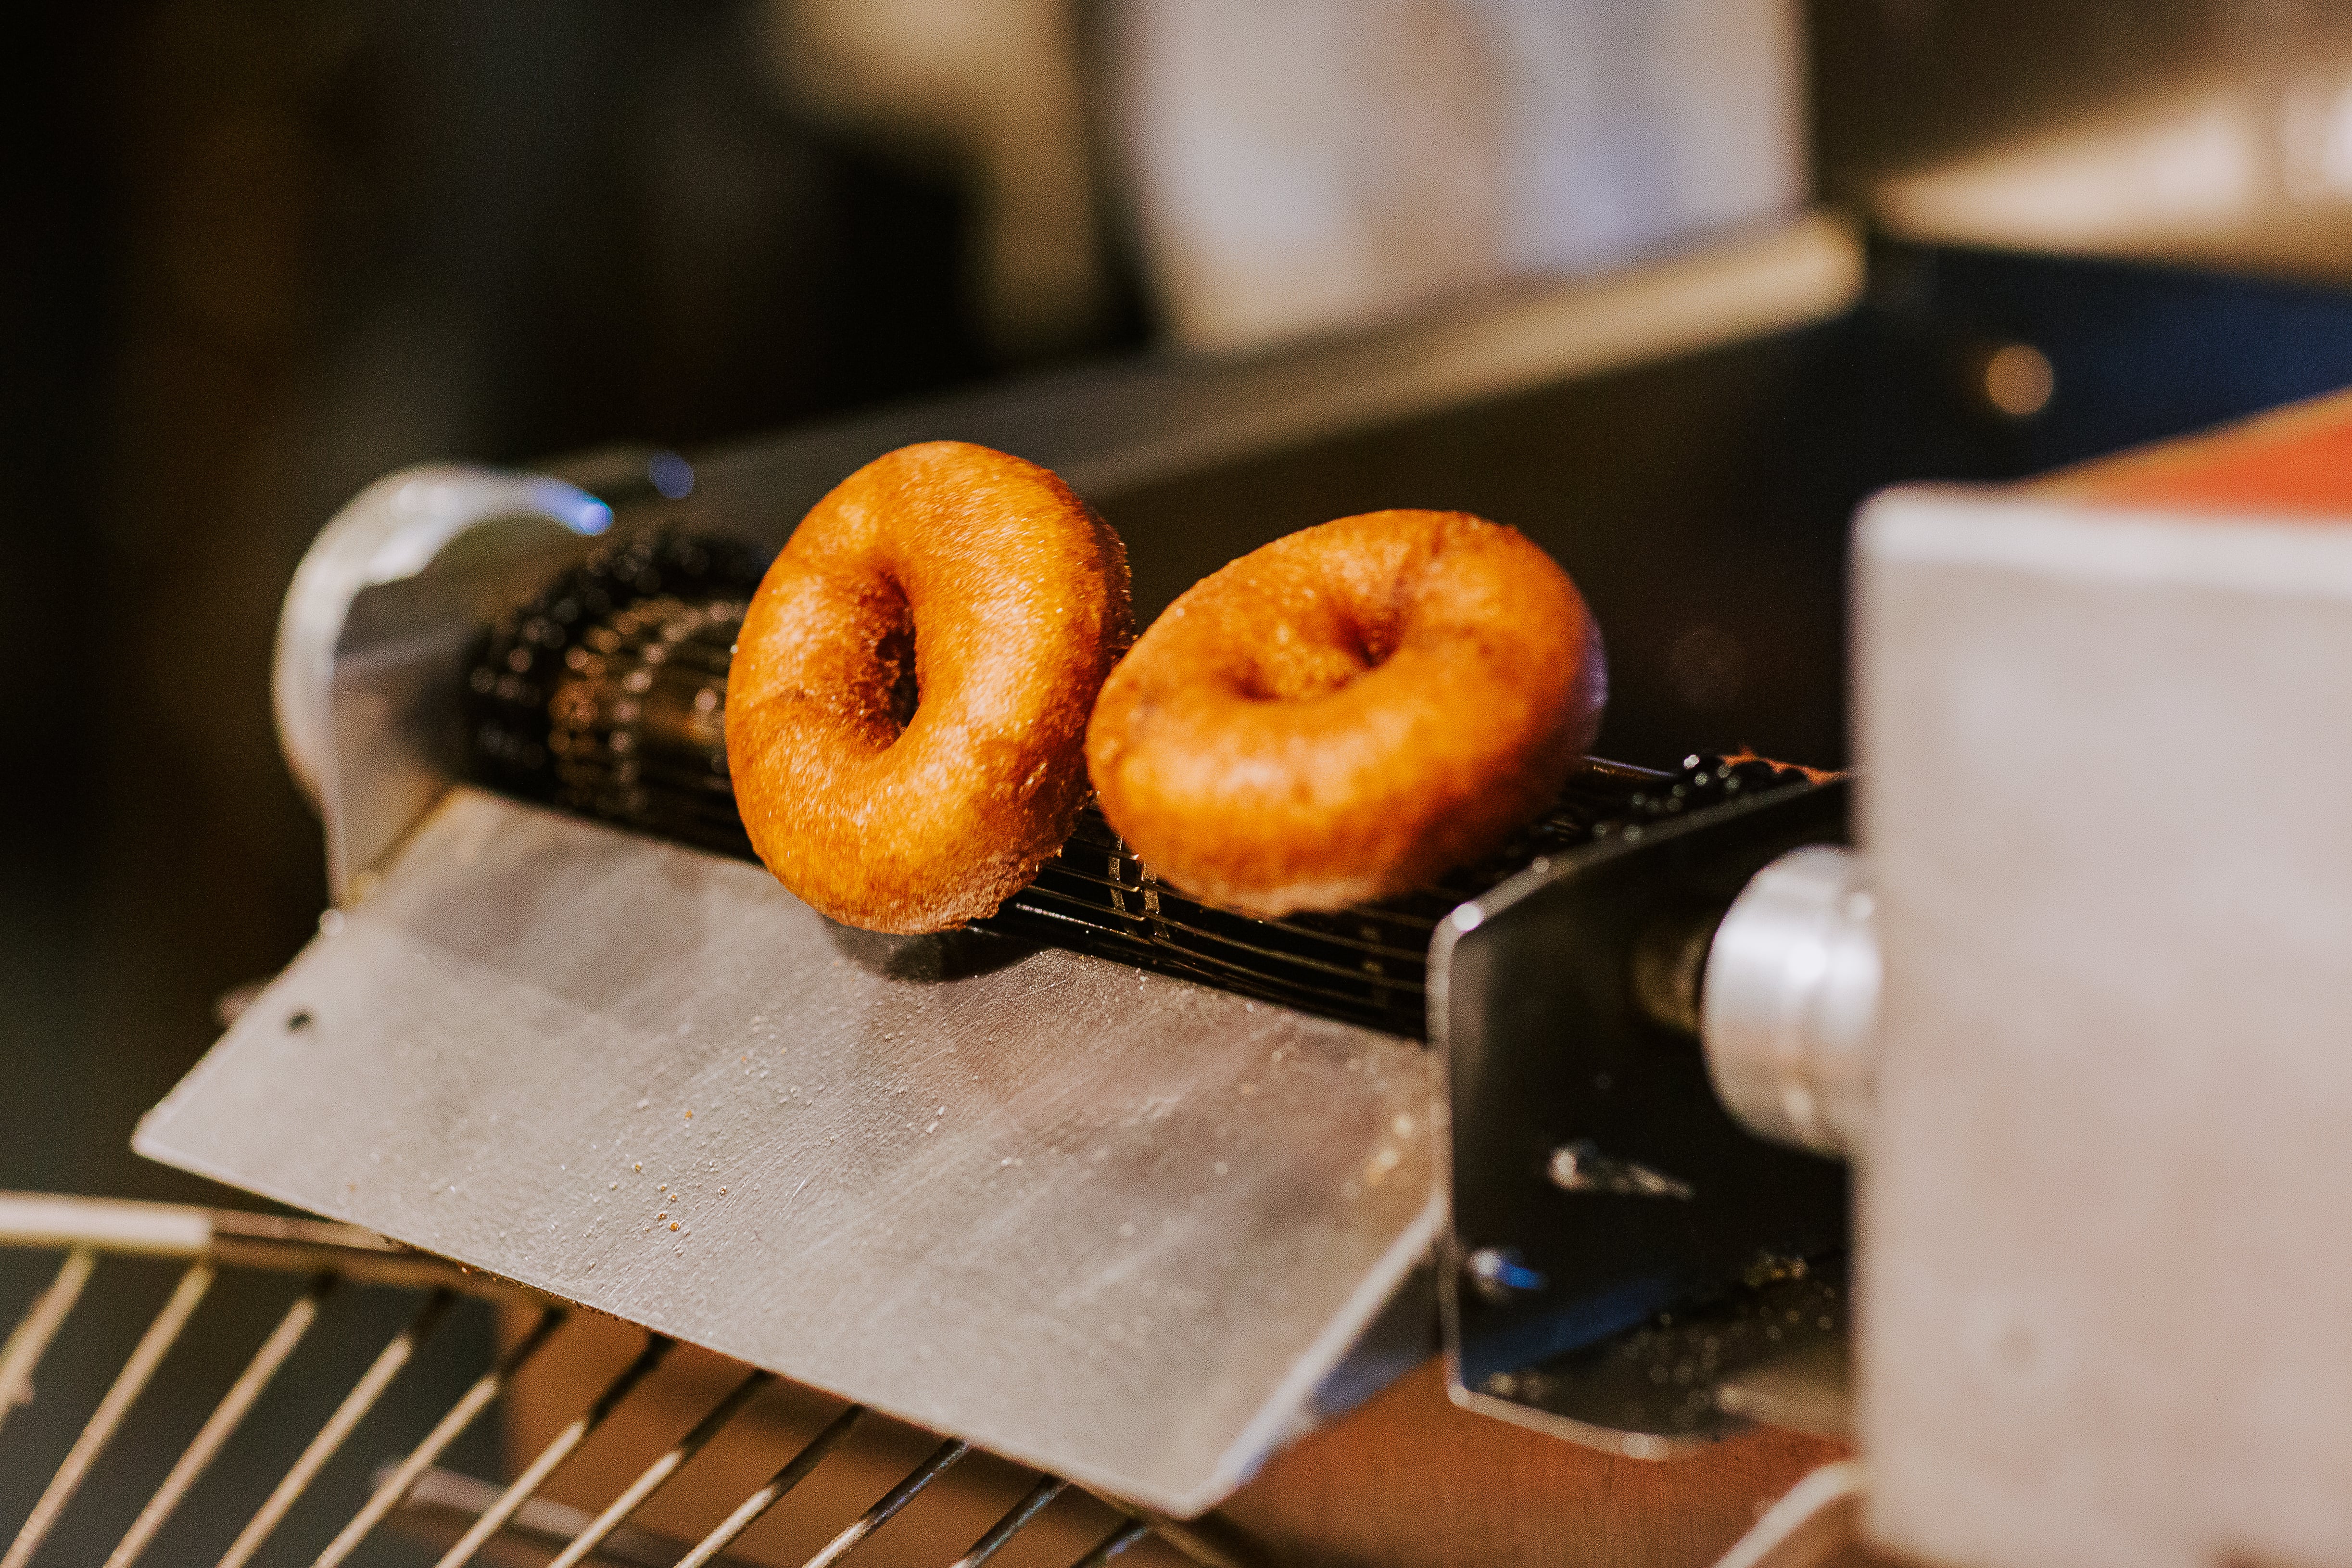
(907, 709)
(1348, 713)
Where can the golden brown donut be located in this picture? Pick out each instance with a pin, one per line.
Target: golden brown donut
(907, 710)
(1349, 712)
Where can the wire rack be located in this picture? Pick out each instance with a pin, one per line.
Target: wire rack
(479, 1520)
(1368, 963)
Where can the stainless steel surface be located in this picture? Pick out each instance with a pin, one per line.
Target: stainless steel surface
(1789, 1011)
(375, 622)
(1114, 1224)
(389, 531)
(2100, 1234)
(1773, 1352)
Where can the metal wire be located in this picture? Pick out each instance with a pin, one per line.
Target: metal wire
(475, 1400)
(661, 1470)
(210, 1239)
(896, 1498)
(39, 1325)
(128, 1383)
(1116, 1542)
(226, 1416)
(535, 1474)
(322, 1447)
(1004, 1529)
(769, 1496)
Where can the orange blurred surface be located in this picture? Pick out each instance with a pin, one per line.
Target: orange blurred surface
(2293, 462)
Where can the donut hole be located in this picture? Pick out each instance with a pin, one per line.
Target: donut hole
(1301, 673)
(1300, 662)
(885, 688)
(894, 656)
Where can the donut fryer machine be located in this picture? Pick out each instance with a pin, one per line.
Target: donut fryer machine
(1044, 1193)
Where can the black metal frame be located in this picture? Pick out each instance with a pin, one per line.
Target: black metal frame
(1601, 1194)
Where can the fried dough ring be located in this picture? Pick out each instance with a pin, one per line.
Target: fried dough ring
(1349, 712)
(907, 710)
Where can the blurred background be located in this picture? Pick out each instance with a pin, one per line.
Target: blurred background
(253, 254)
(260, 254)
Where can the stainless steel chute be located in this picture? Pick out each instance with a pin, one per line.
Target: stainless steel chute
(1114, 1223)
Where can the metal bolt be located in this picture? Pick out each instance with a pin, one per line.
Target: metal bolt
(1498, 1274)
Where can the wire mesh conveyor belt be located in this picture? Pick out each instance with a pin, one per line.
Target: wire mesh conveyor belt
(606, 695)
(503, 1523)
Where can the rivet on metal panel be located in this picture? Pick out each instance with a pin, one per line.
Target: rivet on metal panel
(1499, 1274)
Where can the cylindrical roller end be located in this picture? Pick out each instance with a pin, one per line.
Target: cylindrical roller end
(1788, 1010)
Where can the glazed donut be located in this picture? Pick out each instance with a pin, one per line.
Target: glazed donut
(1348, 713)
(907, 710)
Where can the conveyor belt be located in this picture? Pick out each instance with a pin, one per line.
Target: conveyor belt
(607, 695)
